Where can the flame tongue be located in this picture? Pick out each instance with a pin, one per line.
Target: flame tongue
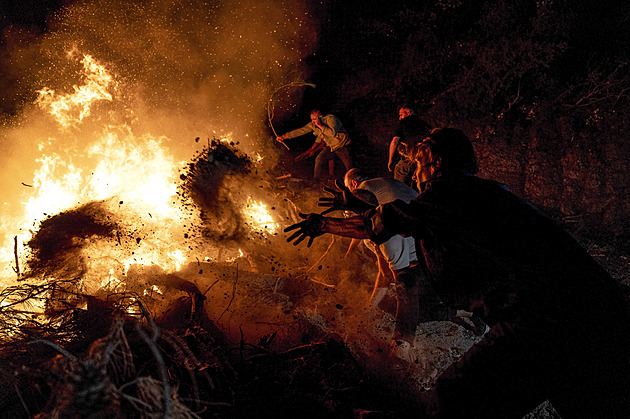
(70, 109)
(136, 175)
(117, 200)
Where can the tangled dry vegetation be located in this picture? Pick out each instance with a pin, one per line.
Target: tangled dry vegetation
(103, 362)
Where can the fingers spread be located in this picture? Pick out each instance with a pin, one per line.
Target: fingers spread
(299, 240)
(293, 227)
(293, 236)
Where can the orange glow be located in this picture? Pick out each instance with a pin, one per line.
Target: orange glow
(70, 109)
(259, 218)
(133, 176)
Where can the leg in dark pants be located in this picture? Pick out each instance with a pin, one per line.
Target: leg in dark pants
(321, 162)
(345, 156)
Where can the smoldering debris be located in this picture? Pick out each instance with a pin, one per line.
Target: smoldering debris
(132, 367)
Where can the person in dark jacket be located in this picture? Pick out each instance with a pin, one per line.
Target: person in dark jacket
(559, 325)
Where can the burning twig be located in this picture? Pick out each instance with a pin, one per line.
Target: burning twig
(321, 283)
(334, 239)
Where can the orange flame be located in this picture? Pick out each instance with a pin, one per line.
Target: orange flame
(69, 110)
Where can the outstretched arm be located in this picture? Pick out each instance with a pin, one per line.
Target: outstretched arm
(393, 146)
(314, 225)
(358, 201)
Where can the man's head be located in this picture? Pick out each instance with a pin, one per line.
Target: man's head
(353, 178)
(445, 151)
(404, 111)
(315, 114)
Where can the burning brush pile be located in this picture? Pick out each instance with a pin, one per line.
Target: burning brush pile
(255, 325)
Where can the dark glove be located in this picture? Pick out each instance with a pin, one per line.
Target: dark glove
(311, 227)
(342, 200)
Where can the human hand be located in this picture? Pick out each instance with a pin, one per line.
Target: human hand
(358, 201)
(318, 123)
(338, 200)
(311, 227)
(281, 138)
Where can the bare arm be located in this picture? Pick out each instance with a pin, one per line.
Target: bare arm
(353, 227)
(314, 225)
(308, 128)
(393, 146)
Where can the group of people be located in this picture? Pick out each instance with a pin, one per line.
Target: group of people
(332, 140)
(558, 323)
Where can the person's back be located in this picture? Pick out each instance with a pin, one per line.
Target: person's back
(388, 189)
(480, 222)
(550, 305)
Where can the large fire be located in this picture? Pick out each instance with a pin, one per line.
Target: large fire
(135, 178)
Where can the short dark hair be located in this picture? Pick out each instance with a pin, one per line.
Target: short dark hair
(453, 147)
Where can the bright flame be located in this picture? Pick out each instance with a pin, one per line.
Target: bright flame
(135, 175)
(260, 218)
(110, 282)
(69, 110)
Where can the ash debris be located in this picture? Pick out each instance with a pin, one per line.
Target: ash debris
(56, 246)
(209, 182)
